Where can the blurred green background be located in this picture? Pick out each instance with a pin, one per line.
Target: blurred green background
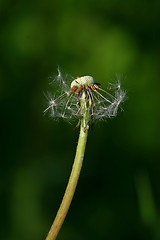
(118, 194)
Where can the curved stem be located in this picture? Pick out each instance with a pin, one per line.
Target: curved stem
(61, 214)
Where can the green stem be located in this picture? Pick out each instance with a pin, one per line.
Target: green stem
(65, 204)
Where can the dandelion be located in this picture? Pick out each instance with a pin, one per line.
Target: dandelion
(86, 101)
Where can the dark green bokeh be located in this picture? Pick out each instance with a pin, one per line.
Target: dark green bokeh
(118, 194)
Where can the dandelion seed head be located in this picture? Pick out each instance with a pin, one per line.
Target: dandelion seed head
(68, 98)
